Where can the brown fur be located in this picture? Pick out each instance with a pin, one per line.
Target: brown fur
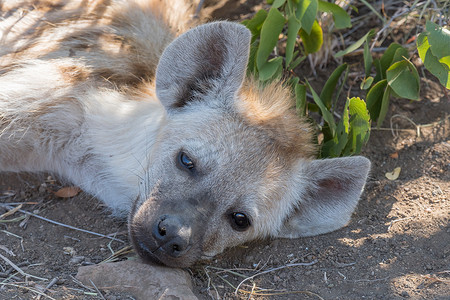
(277, 118)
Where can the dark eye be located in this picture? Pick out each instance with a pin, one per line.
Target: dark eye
(239, 221)
(185, 161)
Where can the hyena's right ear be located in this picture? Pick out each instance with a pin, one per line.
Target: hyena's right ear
(208, 60)
(326, 192)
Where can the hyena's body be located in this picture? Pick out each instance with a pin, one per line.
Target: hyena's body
(199, 157)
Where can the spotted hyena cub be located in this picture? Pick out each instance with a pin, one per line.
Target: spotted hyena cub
(162, 124)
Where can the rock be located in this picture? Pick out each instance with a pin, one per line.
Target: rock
(143, 281)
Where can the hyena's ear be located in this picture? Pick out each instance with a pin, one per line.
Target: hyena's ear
(209, 59)
(328, 192)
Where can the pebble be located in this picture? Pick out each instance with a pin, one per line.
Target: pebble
(76, 260)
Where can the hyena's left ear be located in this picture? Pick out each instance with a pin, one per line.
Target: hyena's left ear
(209, 59)
(327, 192)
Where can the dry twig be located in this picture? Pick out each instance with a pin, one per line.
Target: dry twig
(272, 270)
(65, 225)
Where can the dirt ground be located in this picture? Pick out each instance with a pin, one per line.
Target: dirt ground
(397, 245)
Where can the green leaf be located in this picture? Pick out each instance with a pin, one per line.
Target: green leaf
(278, 3)
(342, 131)
(441, 71)
(313, 41)
(271, 69)
(380, 75)
(251, 66)
(439, 68)
(445, 60)
(330, 85)
(375, 97)
(359, 124)
(367, 57)
(422, 45)
(384, 106)
(293, 28)
(356, 45)
(404, 80)
(387, 58)
(300, 96)
(255, 23)
(439, 39)
(399, 55)
(270, 31)
(296, 62)
(340, 16)
(306, 13)
(366, 83)
(326, 114)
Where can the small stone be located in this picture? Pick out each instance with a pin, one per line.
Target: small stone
(405, 294)
(76, 260)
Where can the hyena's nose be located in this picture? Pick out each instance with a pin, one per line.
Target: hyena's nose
(172, 235)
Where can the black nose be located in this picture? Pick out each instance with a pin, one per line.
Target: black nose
(171, 235)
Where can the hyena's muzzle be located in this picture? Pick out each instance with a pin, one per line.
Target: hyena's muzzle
(169, 232)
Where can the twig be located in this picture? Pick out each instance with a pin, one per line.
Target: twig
(98, 291)
(11, 212)
(81, 284)
(408, 119)
(398, 220)
(272, 270)
(65, 225)
(252, 291)
(417, 129)
(16, 236)
(125, 250)
(27, 288)
(19, 269)
(210, 283)
(54, 280)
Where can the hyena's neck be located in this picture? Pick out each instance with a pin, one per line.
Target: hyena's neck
(121, 133)
(97, 139)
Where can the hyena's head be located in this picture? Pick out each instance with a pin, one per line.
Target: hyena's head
(232, 161)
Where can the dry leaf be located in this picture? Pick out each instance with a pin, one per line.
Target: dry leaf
(67, 192)
(394, 174)
(394, 155)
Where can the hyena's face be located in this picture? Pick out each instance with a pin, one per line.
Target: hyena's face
(231, 162)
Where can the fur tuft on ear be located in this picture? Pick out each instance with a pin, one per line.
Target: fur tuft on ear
(209, 59)
(328, 194)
